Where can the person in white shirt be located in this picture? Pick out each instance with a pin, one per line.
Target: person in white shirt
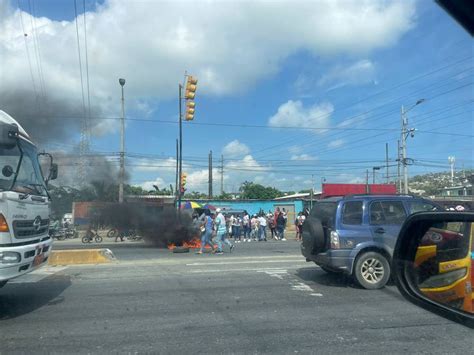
(246, 226)
(262, 221)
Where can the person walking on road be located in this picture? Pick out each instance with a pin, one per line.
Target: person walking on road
(207, 233)
(221, 233)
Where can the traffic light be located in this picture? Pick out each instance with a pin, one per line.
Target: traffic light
(183, 182)
(191, 86)
(190, 107)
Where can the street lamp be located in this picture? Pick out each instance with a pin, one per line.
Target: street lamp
(122, 145)
(404, 135)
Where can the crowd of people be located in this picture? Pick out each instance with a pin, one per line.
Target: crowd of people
(244, 227)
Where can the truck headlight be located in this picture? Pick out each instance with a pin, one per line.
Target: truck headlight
(444, 279)
(9, 257)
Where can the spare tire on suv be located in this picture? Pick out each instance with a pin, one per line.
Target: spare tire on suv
(314, 237)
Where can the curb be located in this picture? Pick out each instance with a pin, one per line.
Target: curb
(81, 256)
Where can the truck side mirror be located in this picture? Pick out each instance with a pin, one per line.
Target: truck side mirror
(53, 172)
(8, 135)
(433, 263)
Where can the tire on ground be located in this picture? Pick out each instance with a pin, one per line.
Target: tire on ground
(365, 276)
(314, 238)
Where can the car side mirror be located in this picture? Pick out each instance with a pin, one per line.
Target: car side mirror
(433, 263)
(53, 172)
(8, 135)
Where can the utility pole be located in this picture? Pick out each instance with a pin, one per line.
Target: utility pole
(180, 167)
(222, 175)
(404, 151)
(398, 168)
(122, 145)
(405, 133)
(312, 191)
(451, 161)
(367, 181)
(386, 163)
(176, 188)
(210, 174)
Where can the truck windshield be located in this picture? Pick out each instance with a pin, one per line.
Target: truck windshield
(29, 179)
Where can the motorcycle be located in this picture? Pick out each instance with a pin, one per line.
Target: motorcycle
(57, 233)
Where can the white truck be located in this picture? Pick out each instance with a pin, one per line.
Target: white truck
(24, 202)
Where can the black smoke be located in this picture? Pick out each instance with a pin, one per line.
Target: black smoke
(158, 225)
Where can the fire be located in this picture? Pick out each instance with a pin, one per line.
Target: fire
(191, 244)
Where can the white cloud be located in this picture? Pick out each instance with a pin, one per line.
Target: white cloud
(302, 157)
(229, 46)
(294, 114)
(235, 149)
(353, 121)
(336, 143)
(359, 73)
(148, 185)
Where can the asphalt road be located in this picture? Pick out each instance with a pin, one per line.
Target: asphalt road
(263, 298)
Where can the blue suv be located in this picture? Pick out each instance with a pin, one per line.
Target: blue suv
(356, 234)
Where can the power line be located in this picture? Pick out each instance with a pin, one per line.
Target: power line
(37, 49)
(87, 61)
(27, 50)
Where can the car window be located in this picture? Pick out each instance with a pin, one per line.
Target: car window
(352, 213)
(387, 212)
(422, 206)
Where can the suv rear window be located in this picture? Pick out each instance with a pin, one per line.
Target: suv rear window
(352, 213)
(387, 212)
(325, 212)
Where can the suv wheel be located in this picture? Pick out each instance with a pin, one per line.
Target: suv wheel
(372, 270)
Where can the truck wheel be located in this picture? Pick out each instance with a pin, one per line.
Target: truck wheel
(372, 270)
(3, 283)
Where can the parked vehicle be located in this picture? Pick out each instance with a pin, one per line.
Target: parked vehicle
(24, 203)
(356, 234)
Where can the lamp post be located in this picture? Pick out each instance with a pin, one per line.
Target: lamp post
(404, 135)
(122, 145)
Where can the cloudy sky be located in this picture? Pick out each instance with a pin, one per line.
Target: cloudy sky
(289, 92)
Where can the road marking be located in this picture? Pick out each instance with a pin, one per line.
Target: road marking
(38, 275)
(247, 262)
(293, 282)
(204, 271)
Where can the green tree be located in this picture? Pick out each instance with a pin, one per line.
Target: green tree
(251, 190)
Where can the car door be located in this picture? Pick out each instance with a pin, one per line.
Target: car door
(386, 219)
